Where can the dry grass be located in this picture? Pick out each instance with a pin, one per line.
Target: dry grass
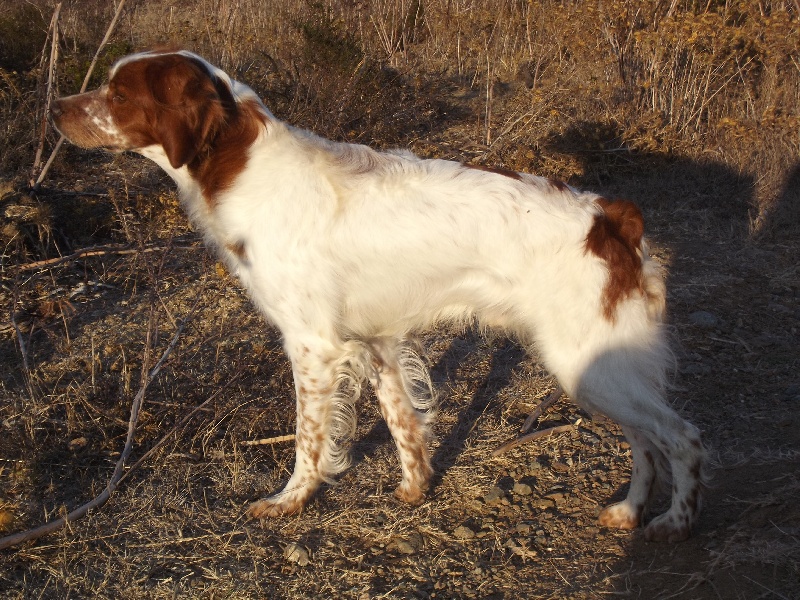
(690, 108)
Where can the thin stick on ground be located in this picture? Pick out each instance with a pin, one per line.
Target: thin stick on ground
(541, 408)
(268, 441)
(530, 437)
(178, 426)
(101, 250)
(117, 476)
(24, 352)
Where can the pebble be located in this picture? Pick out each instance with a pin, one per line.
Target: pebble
(297, 554)
(522, 489)
(463, 532)
(403, 547)
(409, 544)
(523, 528)
(534, 466)
(494, 496)
(78, 443)
(695, 369)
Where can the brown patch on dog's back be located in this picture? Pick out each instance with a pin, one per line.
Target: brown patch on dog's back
(504, 172)
(558, 185)
(616, 237)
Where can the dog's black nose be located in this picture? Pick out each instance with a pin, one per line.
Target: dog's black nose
(55, 108)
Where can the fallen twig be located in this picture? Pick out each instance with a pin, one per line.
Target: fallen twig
(532, 436)
(268, 441)
(100, 250)
(117, 476)
(180, 424)
(541, 407)
(24, 352)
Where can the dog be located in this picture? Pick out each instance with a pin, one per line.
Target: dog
(350, 252)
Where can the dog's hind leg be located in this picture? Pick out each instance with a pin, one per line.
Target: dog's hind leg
(647, 463)
(403, 388)
(622, 385)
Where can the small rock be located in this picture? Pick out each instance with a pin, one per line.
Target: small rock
(297, 554)
(409, 544)
(494, 496)
(78, 443)
(463, 533)
(543, 503)
(403, 547)
(695, 369)
(522, 489)
(523, 528)
(534, 466)
(703, 318)
(559, 467)
(556, 497)
(779, 308)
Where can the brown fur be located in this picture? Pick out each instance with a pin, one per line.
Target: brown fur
(616, 237)
(171, 100)
(503, 172)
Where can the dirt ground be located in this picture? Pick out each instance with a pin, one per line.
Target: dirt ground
(520, 525)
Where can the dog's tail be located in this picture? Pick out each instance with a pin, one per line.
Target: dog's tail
(653, 285)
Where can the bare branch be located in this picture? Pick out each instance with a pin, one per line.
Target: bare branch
(530, 437)
(53, 30)
(180, 424)
(23, 351)
(268, 441)
(89, 72)
(541, 407)
(100, 250)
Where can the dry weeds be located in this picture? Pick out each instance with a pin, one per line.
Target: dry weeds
(690, 108)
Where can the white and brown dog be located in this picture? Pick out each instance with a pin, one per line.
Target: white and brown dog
(349, 252)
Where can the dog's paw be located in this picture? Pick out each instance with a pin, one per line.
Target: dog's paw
(274, 507)
(620, 515)
(668, 528)
(410, 494)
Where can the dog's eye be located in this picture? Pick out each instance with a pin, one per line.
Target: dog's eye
(118, 99)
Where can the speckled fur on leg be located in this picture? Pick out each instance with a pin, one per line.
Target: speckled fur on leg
(403, 388)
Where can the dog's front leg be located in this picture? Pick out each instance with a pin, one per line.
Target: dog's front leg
(315, 384)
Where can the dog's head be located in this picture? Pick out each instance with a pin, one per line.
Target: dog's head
(175, 100)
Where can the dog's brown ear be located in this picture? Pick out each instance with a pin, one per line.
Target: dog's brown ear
(189, 109)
